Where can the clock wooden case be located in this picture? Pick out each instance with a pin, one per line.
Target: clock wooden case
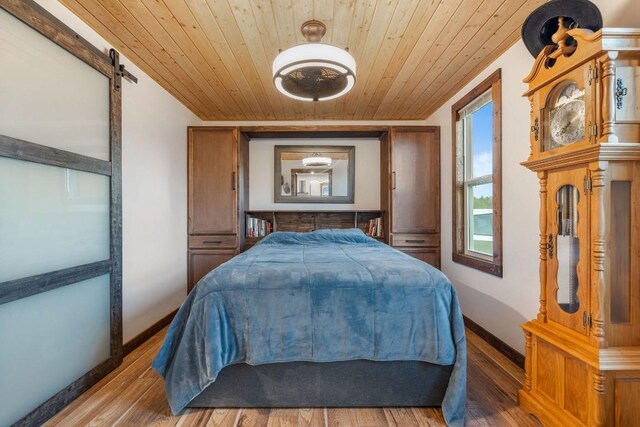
(583, 349)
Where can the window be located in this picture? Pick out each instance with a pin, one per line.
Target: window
(477, 224)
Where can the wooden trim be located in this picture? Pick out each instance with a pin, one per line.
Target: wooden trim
(115, 115)
(232, 128)
(481, 88)
(67, 395)
(478, 263)
(143, 336)
(493, 264)
(13, 290)
(385, 180)
(301, 131)
(504, 348)
(38, 18)
(314, 134)
(277, 211)
(18, 149)
(496, 98)
(401, 128)
(611, 151)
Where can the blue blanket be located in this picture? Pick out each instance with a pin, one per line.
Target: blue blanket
(325, 296)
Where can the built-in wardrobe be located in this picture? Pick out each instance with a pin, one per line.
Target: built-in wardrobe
(410, 190)
(218, 179)
(218, 197)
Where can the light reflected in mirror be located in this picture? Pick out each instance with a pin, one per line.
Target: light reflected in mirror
(314, 174)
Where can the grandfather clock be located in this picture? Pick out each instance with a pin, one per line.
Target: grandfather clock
(583, 349)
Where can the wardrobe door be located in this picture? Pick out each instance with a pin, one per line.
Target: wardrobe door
(213, 158)
(415, 180)
(201, 262)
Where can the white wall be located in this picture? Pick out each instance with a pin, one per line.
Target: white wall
(367, 185)
(501, 305)
(154, 175)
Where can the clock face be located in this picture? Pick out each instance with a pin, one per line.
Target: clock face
(567, 117)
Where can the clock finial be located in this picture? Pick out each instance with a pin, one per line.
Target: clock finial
(560, 38)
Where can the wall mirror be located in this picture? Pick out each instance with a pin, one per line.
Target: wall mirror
(314, 174)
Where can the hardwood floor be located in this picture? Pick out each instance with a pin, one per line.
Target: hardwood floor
(133, 395)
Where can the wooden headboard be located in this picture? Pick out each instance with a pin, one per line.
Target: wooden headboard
(304, 221)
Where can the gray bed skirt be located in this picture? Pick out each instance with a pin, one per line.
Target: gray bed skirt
(358, 383)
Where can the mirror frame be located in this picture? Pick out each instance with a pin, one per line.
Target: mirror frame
(277, 175)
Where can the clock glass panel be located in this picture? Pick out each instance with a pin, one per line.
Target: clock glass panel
(566, 117)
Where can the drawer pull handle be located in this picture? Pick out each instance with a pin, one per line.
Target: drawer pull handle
(415, 241)
(213, 242)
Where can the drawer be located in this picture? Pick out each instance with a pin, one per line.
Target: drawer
(415, 240)
(213, 242)
(430, 256)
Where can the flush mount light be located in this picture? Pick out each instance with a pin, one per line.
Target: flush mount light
(316, 160)
(314, 71)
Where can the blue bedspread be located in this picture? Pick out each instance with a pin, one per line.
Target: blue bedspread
(330, 295)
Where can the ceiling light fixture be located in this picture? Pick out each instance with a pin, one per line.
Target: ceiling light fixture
(314, 71)
(316, 160)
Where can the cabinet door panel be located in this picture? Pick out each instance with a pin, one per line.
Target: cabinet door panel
(202, 262)
(415, 182)
(431, 256)
(568, 249)
(212, 181)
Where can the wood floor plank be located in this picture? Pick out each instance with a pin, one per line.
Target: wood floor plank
(210, 417)
(119, 404)
(311, 417)
(142, 365)
(283, 417)
(342, 417)
(150, 409)
(195, 417)
(401, 417)
(500, 359)
(495, 392)
(431, 417)
(371, 417)
(82, 413)
(223, 417)
(253, 417)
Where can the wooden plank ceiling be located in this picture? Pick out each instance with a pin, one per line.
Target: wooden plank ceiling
(215, 55)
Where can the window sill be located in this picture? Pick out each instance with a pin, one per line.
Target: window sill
(484, 265)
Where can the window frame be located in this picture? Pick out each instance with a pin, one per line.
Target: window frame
(491, 264)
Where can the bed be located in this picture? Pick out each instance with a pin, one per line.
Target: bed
(327, 318)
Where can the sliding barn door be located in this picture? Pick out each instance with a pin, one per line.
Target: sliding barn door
(60, 214)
